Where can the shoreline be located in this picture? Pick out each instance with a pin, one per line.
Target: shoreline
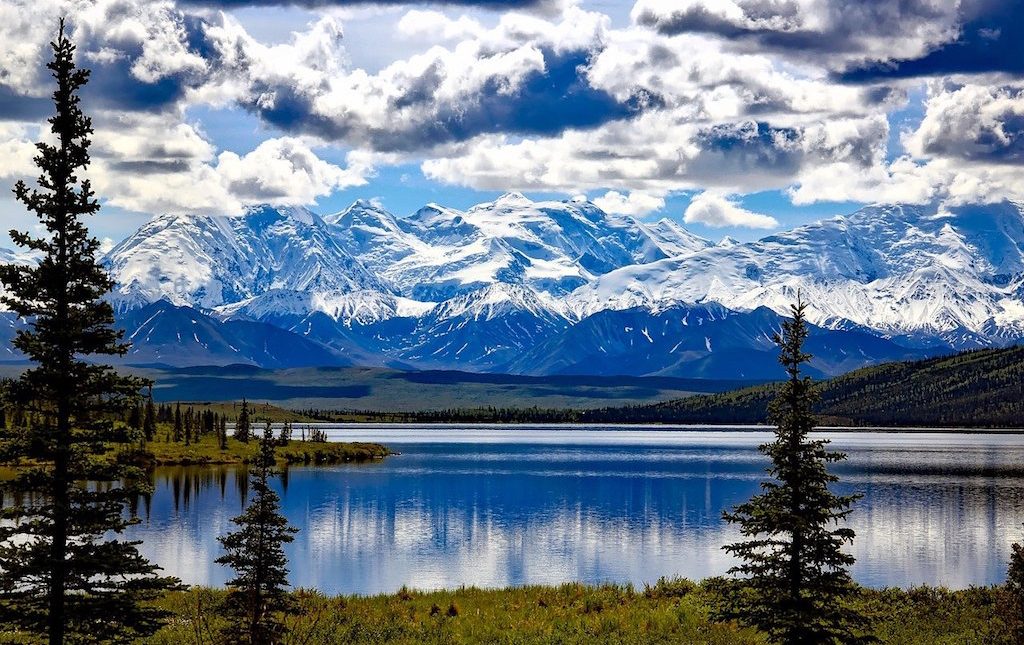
(207, 453)
(659, 427)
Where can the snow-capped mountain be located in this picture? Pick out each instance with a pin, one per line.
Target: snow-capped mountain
(215, 261)
(563, 287)
(899, 270)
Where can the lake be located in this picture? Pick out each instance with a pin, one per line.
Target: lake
(498, 506)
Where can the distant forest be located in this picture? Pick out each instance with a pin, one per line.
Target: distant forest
(979, 388)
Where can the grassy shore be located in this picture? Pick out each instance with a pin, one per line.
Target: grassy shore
(161, 452)
(669, 612)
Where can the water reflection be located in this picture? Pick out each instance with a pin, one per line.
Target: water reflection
(474, 508)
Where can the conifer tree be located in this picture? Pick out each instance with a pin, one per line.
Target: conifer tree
(63, 577)
(1013, 595)
(286, 433)
(135, 417)
(177, 422)
(794, 575)
(258, 593)
(243, 425)
(149, 418)
(224, 432)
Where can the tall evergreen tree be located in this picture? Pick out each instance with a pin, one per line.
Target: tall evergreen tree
(258, 593)
(794, 577)
(177, 423)
(61, 574)
(223, 432)
(149, 418)
(243, 427)
(1013, 595)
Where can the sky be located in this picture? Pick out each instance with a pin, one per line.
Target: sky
(734, 117)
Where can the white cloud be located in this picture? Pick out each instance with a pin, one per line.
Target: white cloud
(834, 34)
(284, 171)
(420, 23)
(17, 151)
(660, 152)
(637, 203)
(724, 116)
(716, 210)
(974, 122)
(180, 171)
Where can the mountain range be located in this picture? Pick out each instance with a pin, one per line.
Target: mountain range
(560, 287)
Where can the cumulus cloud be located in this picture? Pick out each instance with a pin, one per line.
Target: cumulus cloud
(541, 6)
(17, 151)
(285, 171)
(661, 152)
(968, 148)
(524, 76)
(636, 203)
(974, 123)
(989, 39)
(714, 209)
(143, 55)
(721, 97)
(860, 40)
(843, 31)
(434, 24)
(181, 171)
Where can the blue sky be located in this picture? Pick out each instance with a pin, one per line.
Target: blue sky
(735, 117)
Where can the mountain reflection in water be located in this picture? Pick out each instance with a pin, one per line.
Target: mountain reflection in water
(496, 508)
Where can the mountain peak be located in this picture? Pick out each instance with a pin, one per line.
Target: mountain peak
(512, 199)
(364, 212)
(267, 214)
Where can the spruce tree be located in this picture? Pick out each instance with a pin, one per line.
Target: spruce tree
(258, 593)
(223, 432)
(243, 425)
(1012, 602)
(64, 575)
(794, 580)
(149, 418)
(177, 422)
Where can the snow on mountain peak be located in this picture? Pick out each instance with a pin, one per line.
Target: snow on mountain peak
(482, 286)
(892, 268)
(508, 200)
(209, 261)
(364, 213)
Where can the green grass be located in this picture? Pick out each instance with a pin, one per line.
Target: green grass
(161, 452)
(670, 612)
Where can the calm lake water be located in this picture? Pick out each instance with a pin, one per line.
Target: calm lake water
(526, 505)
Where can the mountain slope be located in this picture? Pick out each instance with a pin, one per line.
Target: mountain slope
(552, 247)
(162, 333)
(212, 261)
(699, 341)
(562, 287)
(956, 276)
(974, 388)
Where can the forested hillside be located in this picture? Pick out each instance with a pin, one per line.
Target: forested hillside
(981, 388)
(976, 388)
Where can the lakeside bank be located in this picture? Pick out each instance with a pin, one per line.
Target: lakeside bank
(671, 611)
